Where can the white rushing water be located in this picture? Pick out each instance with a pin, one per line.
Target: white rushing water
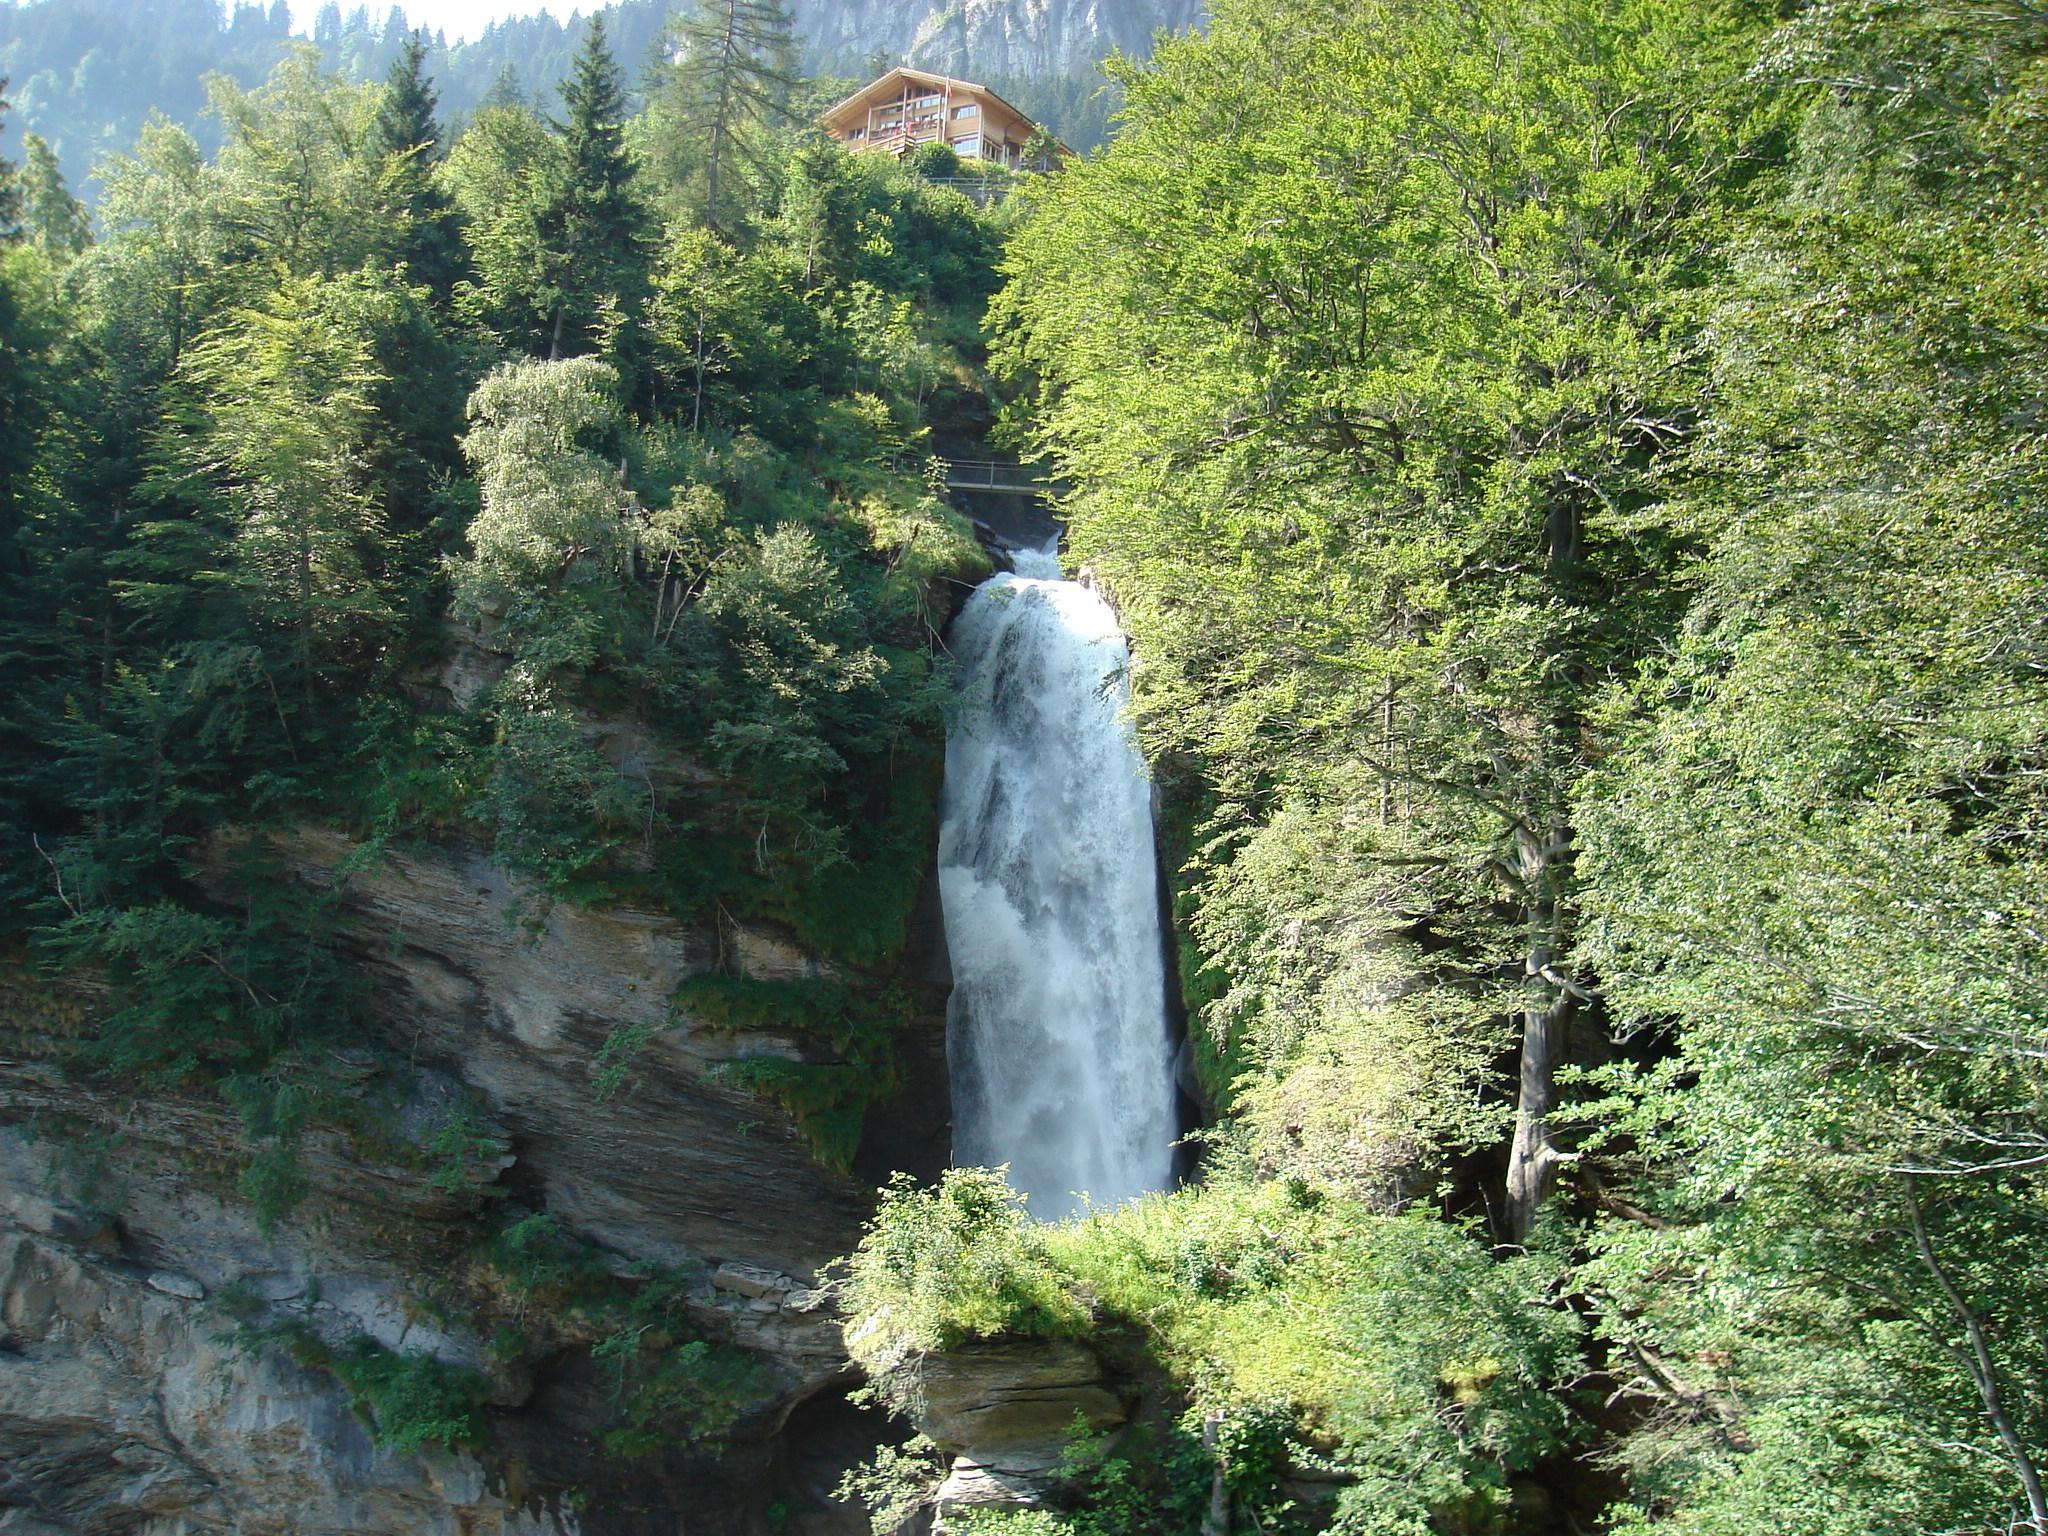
(1056, 1032)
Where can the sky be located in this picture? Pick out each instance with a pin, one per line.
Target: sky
(461, 19)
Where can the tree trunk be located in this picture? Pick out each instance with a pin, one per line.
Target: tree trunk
(1982, 1368)
(1543, 858)
(1532, 1158)
(1216, 1519)
(697, 409)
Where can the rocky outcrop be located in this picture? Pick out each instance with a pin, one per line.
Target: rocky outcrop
(1004, 1412)
(124, 1407)
(981, 38)
(521, 995)
(124, 1404)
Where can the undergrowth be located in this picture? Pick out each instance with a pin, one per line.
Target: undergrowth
(858, 1023)
(666, 1384)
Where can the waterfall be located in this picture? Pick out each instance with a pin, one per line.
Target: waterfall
(1056, 1032)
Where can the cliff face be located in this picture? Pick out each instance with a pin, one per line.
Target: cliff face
(982, 38)
(129, 1260)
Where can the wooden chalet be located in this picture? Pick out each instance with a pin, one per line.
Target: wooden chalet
(908, 107)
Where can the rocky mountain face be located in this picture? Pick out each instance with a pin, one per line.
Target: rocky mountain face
(165, 1362)
(983, 39)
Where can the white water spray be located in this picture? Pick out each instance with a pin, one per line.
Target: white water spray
(1056, 1032)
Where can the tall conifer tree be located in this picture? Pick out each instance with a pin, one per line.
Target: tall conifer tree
(731, 70)
(406, 138)
(597, 229)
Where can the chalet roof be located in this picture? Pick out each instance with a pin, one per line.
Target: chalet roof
(887, 85)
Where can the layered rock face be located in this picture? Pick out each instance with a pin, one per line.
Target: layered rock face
(1004, 1412)
(127, 1401)
(981, 38)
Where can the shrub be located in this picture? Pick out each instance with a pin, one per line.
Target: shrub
(1422, 1368)
(667, 1387)
(409, 1399)
(938, 1267)
(935, 161)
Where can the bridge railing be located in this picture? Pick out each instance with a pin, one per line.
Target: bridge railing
(984, 190)
(988, 475)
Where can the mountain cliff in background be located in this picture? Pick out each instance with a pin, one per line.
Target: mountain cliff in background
(86, 73)
(1028, 40)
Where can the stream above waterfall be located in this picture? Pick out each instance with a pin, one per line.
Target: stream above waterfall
(1056, 1032)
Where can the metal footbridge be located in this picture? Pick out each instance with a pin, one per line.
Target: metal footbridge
(988, 475)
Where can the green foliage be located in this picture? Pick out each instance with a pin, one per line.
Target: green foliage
(502, 173)
(1568, 480)
(200, 994)
(81, 1163)
(827, 1100)
(540, 439)
(280, 416)
(894, 1483)
(10, 193)
(723, 86)
(614, 1059)
(411, 1400)
(1365, 393)
(1363, 1060)
(934, 161)
(595, 229)
(459, 1146)
(422, 228)
(856, 1022)
(1423, 1368)
(50, 216)
(667, 1387)
(1835, 938)
(273, 1184)
(938, 1267)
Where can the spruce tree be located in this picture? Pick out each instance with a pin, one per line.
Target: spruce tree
(731, 70)
(596, 229)
(407, 140)
(405, 118)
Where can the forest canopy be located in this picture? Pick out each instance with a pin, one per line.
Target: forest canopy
(1572, 478)
(1572, 474)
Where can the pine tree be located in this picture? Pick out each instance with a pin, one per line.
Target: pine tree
(407, 140)
(596, 229)
(730, 77)
(50, 215)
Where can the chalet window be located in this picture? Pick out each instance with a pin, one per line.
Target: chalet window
(968, 145)
(967, 111)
